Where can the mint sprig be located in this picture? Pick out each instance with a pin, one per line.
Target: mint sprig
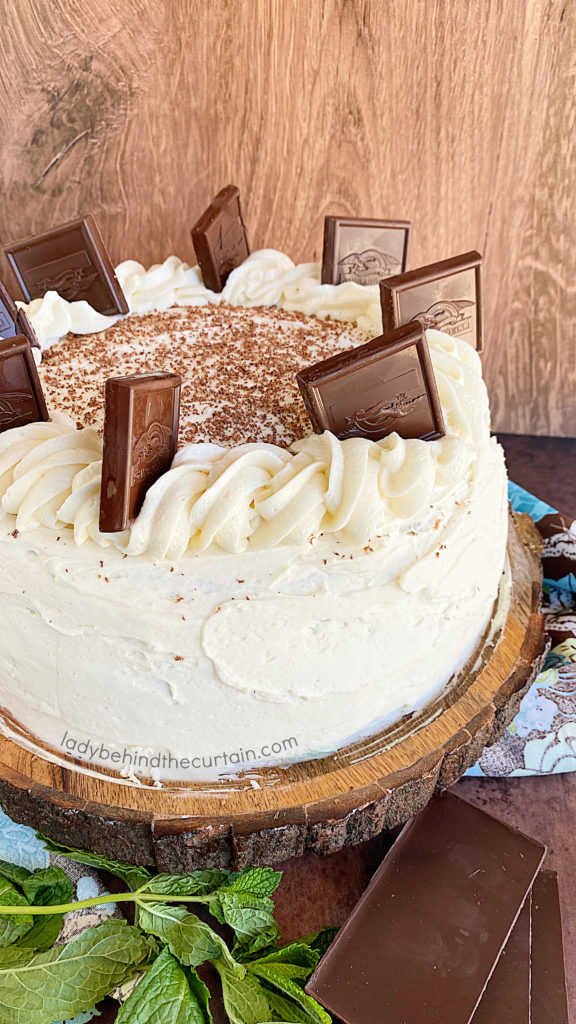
(262, 981)
(37, 988)
(188, 938)
(167, 994)
(131, 875)
(11, 927)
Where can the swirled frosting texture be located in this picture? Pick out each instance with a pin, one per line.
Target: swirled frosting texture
(257, 495)
(266, 278)
(279, 592)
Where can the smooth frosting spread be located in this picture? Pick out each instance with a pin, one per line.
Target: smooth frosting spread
(279, 592)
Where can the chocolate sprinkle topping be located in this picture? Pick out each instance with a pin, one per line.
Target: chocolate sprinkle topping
(237, 365)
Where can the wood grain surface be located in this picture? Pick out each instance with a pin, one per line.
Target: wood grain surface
(457, 115)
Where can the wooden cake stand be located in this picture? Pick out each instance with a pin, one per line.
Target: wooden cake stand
(268, 815)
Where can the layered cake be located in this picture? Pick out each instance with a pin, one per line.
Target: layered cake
(281, 592)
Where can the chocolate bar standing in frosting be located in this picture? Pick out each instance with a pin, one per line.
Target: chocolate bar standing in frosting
(384, 386)
(363, 250)
(21, 396)
(24, 327)
(446, 296)
(424, 939)
(8, 314)
(549, 1001)
(71, 260)
(219, 238)
(140, 440)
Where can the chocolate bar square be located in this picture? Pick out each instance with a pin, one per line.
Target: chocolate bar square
(8, 314)
(71, 260)
(140, 440)
(219, 238)
(21, 396)
(507, 995)
(363, 251)
(446, 296)
(384, 386)
(422, 943)
(549, 1003)
(24, 326)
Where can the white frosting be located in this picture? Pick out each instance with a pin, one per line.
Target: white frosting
(266, 602)
(333, 639)
(267, 278)
(255, 495)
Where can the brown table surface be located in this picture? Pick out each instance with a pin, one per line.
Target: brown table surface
(317, 891)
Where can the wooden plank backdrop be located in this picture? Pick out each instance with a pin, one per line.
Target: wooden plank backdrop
(457, 114)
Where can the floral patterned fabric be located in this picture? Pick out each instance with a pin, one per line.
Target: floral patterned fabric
(542, 738)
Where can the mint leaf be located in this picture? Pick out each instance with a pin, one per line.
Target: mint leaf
(249, 916)
(296, 954)
(48, 885)
(322, 940)
(200, 992)
(13, 873)
(132, 875)
(43, 933)
(285, 1010)
(257, 881)
(277, 978)
(45, 887)
(40, 988)
(189, 939)
(12, 926)
(199, 883)
(164, 996)
(245, 1000)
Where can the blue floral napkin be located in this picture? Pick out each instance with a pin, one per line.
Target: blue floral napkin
(542, 738)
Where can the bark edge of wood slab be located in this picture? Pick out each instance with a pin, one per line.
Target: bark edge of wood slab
(271, 815)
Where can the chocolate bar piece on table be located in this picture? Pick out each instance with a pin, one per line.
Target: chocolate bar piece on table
(507, 996)
(423, 941)
(549, 1000)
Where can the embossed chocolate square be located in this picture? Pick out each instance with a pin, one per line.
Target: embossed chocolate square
(446, 296)
(71, 260)
(21, 396)
(140, 440)
(385, 386)
(363, 251)
(8, 314)
(219, 238)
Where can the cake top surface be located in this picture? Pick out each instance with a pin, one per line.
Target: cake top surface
(238, 368)
(250, 474)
